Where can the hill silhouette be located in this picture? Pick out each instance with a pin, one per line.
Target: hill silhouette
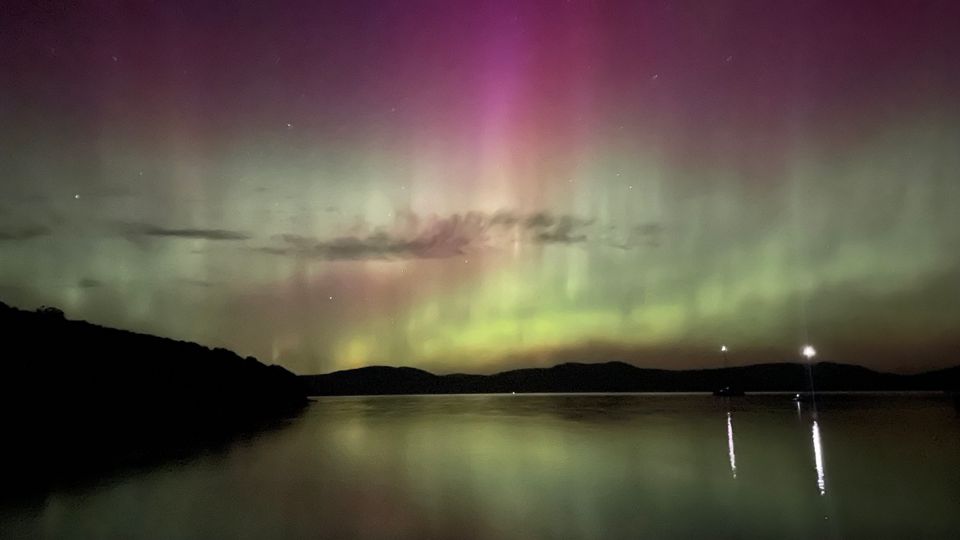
(80, 399)
(622, 377)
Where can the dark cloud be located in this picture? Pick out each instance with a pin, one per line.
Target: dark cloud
(504, 218)
(376, 246)
(548, 228)
(562, 231)
(148, 230)
(17, 234)
(539, 220)
(88, 283)
(544, 227)
(435, 238)
(439, 239)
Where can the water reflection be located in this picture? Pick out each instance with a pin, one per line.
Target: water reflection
(818, 457)
(730, 450)
(491, 467)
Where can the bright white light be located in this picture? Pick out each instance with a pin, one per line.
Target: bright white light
(818, 458)
(723, 348)
(808, 352)
(733, 455)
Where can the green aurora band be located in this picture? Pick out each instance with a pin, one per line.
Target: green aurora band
(542, 209)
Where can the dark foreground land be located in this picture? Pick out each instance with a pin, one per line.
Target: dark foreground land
(80, 400)
(622, 377)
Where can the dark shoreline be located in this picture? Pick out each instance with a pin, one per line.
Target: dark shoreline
(619, 377)
(79, 401)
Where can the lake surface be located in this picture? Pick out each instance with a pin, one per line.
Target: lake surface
(546, 466)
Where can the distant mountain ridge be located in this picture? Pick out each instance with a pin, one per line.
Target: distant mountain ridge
(623, 377)
(79, 399)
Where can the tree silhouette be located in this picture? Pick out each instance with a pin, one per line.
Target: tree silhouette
(51, 312)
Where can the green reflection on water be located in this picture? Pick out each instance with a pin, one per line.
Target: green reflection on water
(546, 467)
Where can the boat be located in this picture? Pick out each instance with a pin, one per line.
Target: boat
(801, 398)
(728, 390)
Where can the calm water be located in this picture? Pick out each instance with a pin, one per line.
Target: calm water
(529, 466)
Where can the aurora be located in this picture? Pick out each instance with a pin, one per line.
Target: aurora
(466, 187)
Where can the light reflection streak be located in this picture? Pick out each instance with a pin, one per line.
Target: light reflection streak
(818, 457)
(733, 455)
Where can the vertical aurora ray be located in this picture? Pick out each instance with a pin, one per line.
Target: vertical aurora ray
(464, 189)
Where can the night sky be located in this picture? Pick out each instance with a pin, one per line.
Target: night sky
(473, 186)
